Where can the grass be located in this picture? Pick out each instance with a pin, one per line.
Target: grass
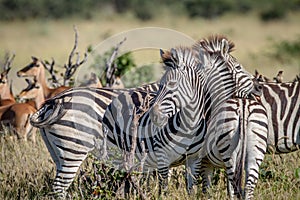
(27, 171)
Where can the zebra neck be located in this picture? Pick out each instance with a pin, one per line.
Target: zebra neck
(190, 116)
(217, 90)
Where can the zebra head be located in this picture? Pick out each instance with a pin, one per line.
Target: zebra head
(200, 78)
(226, 77)
(177, 86)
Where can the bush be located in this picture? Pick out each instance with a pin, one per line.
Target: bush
(208, 8)
(285, 51)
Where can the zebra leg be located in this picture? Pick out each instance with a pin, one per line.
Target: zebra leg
(67, 162)
(163, 179)
(192, 172)
(255, 157)
(163, 168)
(206, 172)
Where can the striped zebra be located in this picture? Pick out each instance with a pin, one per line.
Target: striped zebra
(71, 127)
(196, 79)
(70, 124)
(282, 103)
(236, 140)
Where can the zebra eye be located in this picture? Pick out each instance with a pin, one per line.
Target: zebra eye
(238, 67)
(172, 85)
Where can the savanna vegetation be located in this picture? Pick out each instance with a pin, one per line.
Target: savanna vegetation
(267, 38)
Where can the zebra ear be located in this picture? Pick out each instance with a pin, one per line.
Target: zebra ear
(204, 59)
(224, 47)
(174, 55)
(167, 58)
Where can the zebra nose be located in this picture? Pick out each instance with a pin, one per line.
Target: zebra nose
(155, 112)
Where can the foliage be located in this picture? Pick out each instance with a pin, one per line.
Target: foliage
(144, 10)
(286, 50)
(132, 76)
(207, 8)
(124, 64)
(138, 76)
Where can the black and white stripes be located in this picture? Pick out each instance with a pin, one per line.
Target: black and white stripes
(236, 140)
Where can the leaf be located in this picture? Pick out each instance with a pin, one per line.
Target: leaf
(297, 172)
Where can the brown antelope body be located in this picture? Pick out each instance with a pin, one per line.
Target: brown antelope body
(15, 115)
(36, 69)
(6, 95)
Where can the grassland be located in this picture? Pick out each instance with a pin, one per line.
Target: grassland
(49, 38)
(27, 171)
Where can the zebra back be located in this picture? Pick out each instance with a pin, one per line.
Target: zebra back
(282, 102)
(236, 139)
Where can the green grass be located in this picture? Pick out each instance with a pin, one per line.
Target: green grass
(27, 171)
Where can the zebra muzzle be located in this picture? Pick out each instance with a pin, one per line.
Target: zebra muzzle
(157, 117)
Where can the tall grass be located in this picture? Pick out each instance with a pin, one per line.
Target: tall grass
(27, 171)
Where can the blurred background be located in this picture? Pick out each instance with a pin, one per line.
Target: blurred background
(266, 32)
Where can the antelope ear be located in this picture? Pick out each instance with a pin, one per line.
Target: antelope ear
(4, 73)
(35, 59)
(27, 80)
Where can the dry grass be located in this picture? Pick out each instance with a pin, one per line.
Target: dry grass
(27, 171)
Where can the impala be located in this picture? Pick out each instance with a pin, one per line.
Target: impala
(37, 69)
(33, 91)
(15, 115)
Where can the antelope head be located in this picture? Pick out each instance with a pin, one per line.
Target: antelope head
(32, 69)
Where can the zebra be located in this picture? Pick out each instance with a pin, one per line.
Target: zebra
(236, 140)
(195, 72)
(67, 138)
(71, 126)
(282, 103)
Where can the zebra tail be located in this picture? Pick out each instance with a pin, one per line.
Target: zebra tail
(48, 114)
(241, 160)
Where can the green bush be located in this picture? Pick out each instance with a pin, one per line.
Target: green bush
(286, 50)
(208, 8)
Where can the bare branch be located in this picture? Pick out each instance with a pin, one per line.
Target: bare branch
(50, 68)
(129, 157)
(111, 66)
(70, 67)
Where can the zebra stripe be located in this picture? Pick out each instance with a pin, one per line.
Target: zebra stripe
(282, 102)
(236, 140)
(64, 114)
(187, 96)
(71, 127)
(179, 139)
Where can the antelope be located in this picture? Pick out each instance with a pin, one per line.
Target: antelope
(6, 96)
(15, 115)
(33, 91)
(37, 69)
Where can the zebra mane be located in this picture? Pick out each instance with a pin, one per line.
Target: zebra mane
(179, 57)
(215, 44)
